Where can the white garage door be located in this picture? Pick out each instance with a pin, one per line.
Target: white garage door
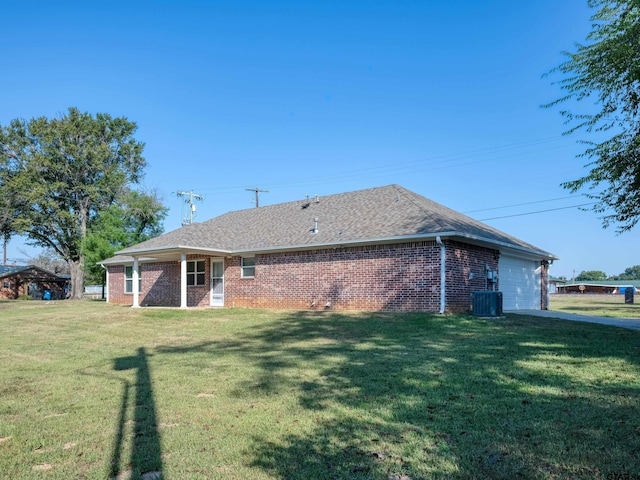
(519, 282)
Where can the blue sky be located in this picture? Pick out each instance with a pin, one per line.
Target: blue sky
(303, 98)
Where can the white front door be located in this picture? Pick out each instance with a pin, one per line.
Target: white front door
(217, 282)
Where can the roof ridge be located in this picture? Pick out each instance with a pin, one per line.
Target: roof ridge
(410, 196)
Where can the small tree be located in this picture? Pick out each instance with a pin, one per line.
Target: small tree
(607, 71)
(136, 217)
(61, 173)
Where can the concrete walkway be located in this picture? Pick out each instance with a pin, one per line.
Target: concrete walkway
(631, 323)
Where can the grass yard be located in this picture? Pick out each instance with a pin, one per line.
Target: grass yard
(96, 391)
(598, 305)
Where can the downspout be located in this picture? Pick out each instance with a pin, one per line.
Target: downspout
(443, 280)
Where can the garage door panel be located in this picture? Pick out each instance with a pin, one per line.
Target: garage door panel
(519, 282)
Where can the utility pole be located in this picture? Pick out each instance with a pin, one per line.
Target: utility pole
(192, 206)
(257, 192)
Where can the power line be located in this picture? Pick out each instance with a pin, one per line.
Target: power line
(537, 211)
(435, 162)
(519, 204)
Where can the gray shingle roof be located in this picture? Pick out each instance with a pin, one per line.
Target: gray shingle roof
(372, 215)
(9, 268)
(30, 271)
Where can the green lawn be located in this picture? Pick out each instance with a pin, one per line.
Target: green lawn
(96, 391)
(598, 305)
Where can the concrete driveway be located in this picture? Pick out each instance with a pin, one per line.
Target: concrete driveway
(631, 323)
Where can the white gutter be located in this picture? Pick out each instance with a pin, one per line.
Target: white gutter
(443, 279)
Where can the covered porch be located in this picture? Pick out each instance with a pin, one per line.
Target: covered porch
(199, 270)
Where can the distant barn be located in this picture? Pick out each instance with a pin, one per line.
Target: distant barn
(608, 287)
(32, 281)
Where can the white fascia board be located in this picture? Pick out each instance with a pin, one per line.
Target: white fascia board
(171, 249)
(128, 261)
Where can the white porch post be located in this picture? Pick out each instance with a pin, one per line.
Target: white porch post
(183, 280)
(106, 287)
(136, 284)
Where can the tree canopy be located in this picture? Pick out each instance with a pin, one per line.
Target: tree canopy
(136, 217)
(606, 71)
(51, 261)
(59, 176)
(591, 275)
(631, 273)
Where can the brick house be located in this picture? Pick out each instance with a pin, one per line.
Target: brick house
(32, 281)
(383, 248)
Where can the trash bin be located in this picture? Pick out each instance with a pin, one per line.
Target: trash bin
(628, 294)
(46, 295)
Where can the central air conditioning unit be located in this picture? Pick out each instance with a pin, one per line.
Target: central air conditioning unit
(487, 304)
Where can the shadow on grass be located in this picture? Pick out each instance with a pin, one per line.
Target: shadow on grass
(146, 452)
(419, 396)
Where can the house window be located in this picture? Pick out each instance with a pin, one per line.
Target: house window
(128, 280)
(248, 267)
(195, 273)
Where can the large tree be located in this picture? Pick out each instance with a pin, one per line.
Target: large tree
(60, 173)
(605, 71)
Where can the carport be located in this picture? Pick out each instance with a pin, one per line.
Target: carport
(33, 281)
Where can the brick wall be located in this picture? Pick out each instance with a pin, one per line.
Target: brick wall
(116, 286)
(466, 268)
(160, 285)
(11, 290)
(397, 277)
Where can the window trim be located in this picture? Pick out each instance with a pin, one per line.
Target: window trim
(195, 273)
(247, 268)
(130, 279)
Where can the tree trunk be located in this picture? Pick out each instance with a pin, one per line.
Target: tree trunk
(77, 278)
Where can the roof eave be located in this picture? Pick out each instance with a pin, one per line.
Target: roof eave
(509, 247)
(133, 252)
(151, 254)
(533, 253)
